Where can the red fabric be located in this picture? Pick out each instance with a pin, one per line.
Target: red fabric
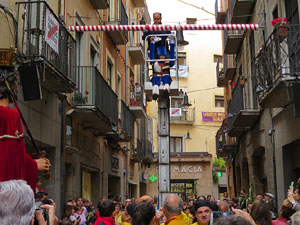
(280, 221)
(106, 220)
(15, 162)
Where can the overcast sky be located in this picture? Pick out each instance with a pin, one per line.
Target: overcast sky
(175, 11)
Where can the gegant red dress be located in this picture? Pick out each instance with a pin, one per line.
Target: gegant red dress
(15, 162)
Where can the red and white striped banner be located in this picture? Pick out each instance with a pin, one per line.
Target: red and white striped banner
(148, 27)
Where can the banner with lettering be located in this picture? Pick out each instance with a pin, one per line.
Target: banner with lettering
(213, 116)
(52, 31)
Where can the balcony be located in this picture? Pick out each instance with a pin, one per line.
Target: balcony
(148, 157)
(136, 54)
(182, 115)
(221, 81)
(229, 67)
(139, 3)
(220, 11)
(240, 118)
(224, 144)
(138, 102)
(95, 103)
(241, 10)
(100, 4)
(235, 106)
(127, 121)
(233, 40)
(277, 66)
(138, 154)
(119, 37)
(45, 42)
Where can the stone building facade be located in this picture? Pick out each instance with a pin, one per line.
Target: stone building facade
(259, 136)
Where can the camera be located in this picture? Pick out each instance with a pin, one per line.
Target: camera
(44, 213)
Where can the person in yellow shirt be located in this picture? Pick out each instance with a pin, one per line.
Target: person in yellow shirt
(189, 215)
(126, 217)
(202, 212)
(172, 210)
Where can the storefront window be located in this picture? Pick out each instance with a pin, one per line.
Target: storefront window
(86, 186)
(184, 189)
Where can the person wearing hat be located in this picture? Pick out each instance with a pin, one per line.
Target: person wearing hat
(268, 197)
(15, 162)
(203, 210)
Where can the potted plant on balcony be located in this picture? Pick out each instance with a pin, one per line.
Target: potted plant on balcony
(79, 99)
(281, 26)
(242, 80)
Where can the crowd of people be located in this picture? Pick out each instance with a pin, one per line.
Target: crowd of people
(19, 205)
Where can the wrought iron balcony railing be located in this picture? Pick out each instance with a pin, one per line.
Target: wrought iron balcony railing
(140, 150)
(93, 90)
(229, 67)
(232, 39)
(240, 10)
(127, 120)
(221, 81)
(42, 36)
(224, 143)
(187, 115)
(119, 37)
(279, 59)
(236, 104)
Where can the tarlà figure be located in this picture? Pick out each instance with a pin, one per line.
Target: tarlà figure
(161, 69)
(15, 162)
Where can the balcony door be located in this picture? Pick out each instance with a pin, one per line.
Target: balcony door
(80, 61)
(292, 15)
(94, 61)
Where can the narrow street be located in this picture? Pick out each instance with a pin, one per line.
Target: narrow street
(145, 111)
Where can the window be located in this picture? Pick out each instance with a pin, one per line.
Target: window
(109, 73)
(182, 58)
(219, 101)
(111, 11)
(217, 57)
(291, 10)
(185, 189)
(176, 144)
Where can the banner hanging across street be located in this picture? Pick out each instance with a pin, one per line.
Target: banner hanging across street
(148, 27)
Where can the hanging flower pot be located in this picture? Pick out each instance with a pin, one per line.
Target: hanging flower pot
(282, 32)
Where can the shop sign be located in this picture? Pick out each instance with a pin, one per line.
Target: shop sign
(188, 169)
(213, 116)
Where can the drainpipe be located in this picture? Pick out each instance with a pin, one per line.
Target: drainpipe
(127, 97)
(272, 139)
(62, 151)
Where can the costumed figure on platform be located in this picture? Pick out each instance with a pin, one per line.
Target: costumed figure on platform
(15, 162)
(161, 69)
